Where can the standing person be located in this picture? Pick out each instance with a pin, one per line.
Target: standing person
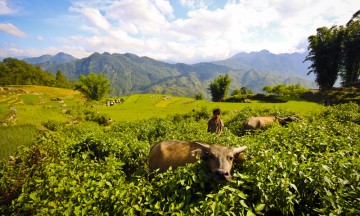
(215, 124)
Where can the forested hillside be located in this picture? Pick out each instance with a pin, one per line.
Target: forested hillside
(131, 74)
(282, 64)
(17, 72)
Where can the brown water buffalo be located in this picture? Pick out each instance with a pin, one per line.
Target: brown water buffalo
(262, 122)
(175, 153)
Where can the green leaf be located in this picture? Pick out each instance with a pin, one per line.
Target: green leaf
(77, 210)
(210, 195)
(109, 184)
(33, 195)
(242, 202)
(259, 207)
(250, 213)
(241, 194)
(293, 186)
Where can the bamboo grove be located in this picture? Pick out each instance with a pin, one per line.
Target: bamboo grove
(334, 53)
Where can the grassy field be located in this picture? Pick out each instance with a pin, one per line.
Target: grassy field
(12, 137)
(38, 104)
(144, 106)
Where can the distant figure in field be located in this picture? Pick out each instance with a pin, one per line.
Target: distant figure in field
(215, 124)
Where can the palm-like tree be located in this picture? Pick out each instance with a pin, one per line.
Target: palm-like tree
(351, 50)
(325, 55)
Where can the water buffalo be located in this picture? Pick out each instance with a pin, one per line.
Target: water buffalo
(175, 153)
(262, 122)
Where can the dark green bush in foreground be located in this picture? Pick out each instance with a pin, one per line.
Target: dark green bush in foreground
(311, 167)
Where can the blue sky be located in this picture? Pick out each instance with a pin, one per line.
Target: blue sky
(188, 31)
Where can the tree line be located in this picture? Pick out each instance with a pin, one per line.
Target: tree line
(18, 72)
(219, 89)
(334, 52)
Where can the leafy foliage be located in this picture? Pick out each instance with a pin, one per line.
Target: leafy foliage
(351, 56)
(310, 167)
(61, 80)
(334, 96)
(219, 87)
(17, 72)
(199, 96)
(94, 86)
(334, 52)
(286, 90)
(325, 55)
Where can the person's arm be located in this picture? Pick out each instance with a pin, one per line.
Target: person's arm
(221, 127)
(208, 130)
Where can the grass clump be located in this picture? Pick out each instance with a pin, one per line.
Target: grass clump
(12, 137)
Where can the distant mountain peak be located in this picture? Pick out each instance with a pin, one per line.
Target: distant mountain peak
(265, 51)
(278, 64)
(60, 57)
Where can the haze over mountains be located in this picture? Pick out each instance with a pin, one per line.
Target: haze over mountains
(131, 74)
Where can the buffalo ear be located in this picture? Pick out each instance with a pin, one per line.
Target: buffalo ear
(238, 155)
(197, 153)
(201, 150)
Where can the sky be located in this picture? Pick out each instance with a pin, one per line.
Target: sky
(187, 31)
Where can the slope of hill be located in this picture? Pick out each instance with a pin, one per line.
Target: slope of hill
(265, 61)
(58, 58)
(131, 74)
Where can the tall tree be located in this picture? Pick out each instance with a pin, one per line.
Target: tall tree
(325, 55)
(220, 87)
(245, 90)
(351, 51)
(93, 86)
(61, 80)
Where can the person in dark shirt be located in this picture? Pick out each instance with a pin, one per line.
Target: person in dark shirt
(215, 124)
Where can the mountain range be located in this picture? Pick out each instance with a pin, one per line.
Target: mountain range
(131, 74)
(58, 58)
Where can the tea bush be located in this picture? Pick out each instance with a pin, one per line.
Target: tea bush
(308, 168)
(52, 125)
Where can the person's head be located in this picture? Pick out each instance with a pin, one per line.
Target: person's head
(216, 112)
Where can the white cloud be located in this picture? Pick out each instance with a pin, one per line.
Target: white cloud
(11, 52)
(11, 29)
(5, 8)
(149, 27)
(139, 17)
(164, 7)
(94, 17)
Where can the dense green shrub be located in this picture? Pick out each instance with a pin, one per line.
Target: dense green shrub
(101, 119)
(53, 125)
(267, 98)
(195, 115)
(241, 98)
(334, 96)
(310, 167)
